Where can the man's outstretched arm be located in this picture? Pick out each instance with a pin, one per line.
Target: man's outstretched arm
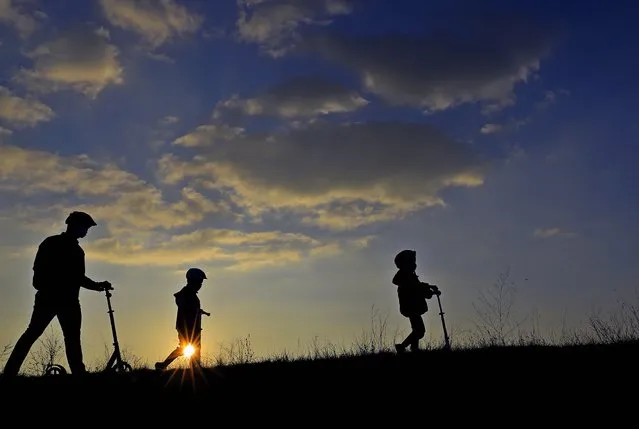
(97, 286)
(88, 283)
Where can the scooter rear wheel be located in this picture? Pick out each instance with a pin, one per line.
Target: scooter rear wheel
(124, 367)
(55, 369)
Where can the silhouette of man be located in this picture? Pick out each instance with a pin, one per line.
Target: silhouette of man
(412, 294)
(189, 319)
(58, 275)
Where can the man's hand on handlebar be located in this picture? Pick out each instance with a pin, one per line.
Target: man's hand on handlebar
(105, 286)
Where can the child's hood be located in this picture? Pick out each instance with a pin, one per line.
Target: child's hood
(402, 277)
(397, 277)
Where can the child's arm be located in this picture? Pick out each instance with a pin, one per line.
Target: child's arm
(205, 312)
(430, 290)
(434, 289)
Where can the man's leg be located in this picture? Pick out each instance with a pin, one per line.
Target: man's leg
(70, 318)
(43, 313)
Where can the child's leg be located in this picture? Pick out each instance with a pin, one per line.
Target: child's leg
(419, 330)
(417, 333)
(196, 342)
(174, 354)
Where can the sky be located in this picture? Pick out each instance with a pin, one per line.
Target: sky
(290, 148)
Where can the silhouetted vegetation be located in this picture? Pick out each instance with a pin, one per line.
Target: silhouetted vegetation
(5, 352)
(496, 325)
(503, 360)
(514, 377)
(50, 351)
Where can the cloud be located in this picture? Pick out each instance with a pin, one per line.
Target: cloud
(137, 225)
(31, 171)
(274, 24)
(160, 57)
(5, 132)
(169, 120)
(205, 135)
(10, 13)
(22, 111)
(146, 209)
(80, 59)
(119, 198)
(551, 97)
(231, 249)
(157, 22)
(552, 232)
(226, 248)
(491, 128)
(333, 175)
(440, 72)
(513, 124)
(300, 97)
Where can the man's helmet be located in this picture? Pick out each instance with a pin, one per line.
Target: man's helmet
(195, 274)
(80, 218)
(405, 258)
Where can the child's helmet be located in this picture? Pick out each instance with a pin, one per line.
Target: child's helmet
(195, 274)
(405, 258)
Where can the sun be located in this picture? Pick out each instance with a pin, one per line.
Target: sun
(189, 350)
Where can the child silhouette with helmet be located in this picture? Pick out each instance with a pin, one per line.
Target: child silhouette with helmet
(412, 294)
(189, 317)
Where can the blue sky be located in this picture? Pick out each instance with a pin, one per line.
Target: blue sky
(291, 148)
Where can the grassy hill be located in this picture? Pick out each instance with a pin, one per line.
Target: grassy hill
(529, 379)
(589, 376)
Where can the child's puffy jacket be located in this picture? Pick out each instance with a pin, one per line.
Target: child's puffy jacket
(412, 294)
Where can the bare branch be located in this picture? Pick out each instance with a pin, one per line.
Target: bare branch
(51, 347)
(495, 311)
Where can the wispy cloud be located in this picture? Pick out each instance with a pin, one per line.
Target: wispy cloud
(120, 199)
(301, 97)
(548, 98)
(275, 24)
(80, 59)
(11, 12)
(142, 225)
(230, 249)
(19, 111)
(157, 22)
(491, 128)
(553, 232)
(169, 120)
(206, 135)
